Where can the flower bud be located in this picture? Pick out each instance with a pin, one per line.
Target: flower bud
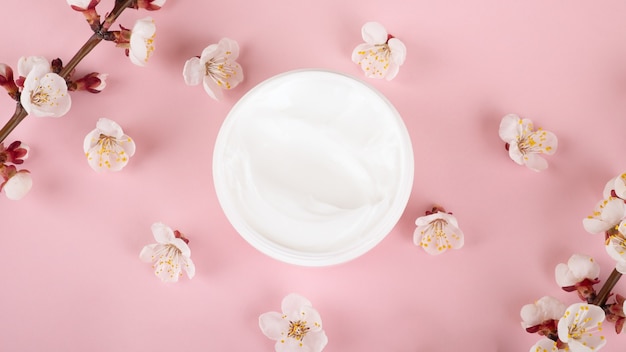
(15, 153)
(94, 82)
(18, 185)
(6, 80)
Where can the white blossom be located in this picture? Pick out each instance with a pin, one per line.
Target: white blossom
(607, 214)
(297, 328)
(580, 326)
(16, 187)
(437, 232)
(170, 255)
(381, 55)
(579, 267)
(526, 144)
(216, 68)
(142, 41)
(107, 148)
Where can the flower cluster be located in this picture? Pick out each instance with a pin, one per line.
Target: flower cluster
(578, 328)
(609, 218)
(41, 88)
(15, 183)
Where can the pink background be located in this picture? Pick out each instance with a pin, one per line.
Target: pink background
(71, 278)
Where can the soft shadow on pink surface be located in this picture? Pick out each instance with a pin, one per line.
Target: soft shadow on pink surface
(72, 279)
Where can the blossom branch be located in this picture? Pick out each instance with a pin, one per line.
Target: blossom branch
(101, 33)
(606, 289)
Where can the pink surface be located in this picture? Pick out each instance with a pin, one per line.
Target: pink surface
(72, 280)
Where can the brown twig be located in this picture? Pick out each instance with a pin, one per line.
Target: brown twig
(606, 289)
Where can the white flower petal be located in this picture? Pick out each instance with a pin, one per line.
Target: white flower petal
(190, 267)
(147, 253)
(510, 128)
(316, 340)
(193, 72)
(18, 185)
(292, 304)
(211, 88)
(398, 51)
(608, 213)
(619, 185)
(109, 127)
(273, 325)
(544, 345)
(81, 4)
(291, 345)
(610, 186)
(142, 41)
(544, 309)
(616, 247)
(578, 268)
(535, 162)
(27, 63)
(162, 233)
(374, 33)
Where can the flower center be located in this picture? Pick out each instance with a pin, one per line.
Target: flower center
(39, 97)
(297, 329)
(220, 70)
(168, 258)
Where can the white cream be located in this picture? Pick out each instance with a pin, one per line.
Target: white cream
(313, 164)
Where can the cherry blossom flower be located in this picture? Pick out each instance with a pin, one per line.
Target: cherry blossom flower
(297, 328)
(44, 93)
(579, 326)
(437, 232)
(579, 274)
(170, 255)
(107, 147)
(542, 316)
(141, 42)
(18, 183)
(381, 55)
(216, 68)
(525, 144)
(608, 213)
